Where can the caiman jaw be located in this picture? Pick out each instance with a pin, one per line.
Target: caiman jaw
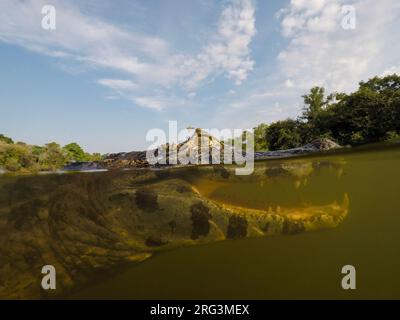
(290, 220)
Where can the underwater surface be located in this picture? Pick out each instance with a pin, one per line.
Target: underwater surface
(203, 233)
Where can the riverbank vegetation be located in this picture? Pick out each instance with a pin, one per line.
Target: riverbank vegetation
(370, 114)
(22, 157)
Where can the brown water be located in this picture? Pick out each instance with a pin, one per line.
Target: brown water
(302, 266)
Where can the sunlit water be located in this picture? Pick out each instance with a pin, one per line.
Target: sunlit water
(303, 266)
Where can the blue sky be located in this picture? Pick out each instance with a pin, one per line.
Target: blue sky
(112, 70)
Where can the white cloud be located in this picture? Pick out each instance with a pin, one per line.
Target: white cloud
(118, 84)
(149, 61)
(229, 52)
(112, 97)
(289, 83)
(192, 95)
(391, 70)
(321, 52)
(236, 30)
(78, 37)
(159, 102)
(151, 103)
(251, 110)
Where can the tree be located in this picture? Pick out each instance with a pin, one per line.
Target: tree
(283, 135)
(95, 157)
(17, 157)
(368, 114)
(21, 157)
(384, 110)
(75, 152)
(313, 103)
(53, 157)
(388, 85)
(6, 139)
(260, 137)
(364, 116)
(317, 113)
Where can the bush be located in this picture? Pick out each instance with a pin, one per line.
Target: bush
(5, 139)
(283, 135)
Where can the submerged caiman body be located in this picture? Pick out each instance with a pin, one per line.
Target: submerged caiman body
(88, 223)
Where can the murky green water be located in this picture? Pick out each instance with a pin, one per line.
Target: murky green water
(303, 266)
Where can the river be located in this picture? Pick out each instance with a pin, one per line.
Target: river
(301, 266)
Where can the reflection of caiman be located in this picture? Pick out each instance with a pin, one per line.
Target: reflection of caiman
(81, 223)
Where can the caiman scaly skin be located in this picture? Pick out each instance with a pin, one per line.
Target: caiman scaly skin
(84, 223)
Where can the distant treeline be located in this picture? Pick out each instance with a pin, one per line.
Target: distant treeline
(21, 157)
(370, 114)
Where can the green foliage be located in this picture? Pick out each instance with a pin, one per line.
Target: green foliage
(370, 114)
(24, 158)
(260, 137)
(53, 157)
(5, 139)
(314, 102)
(37, 150)
(75, 152)
(95, 157)
(239, 141)
(17, 157)
(284, 135)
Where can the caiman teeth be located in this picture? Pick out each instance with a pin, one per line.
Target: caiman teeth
(290, 220)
